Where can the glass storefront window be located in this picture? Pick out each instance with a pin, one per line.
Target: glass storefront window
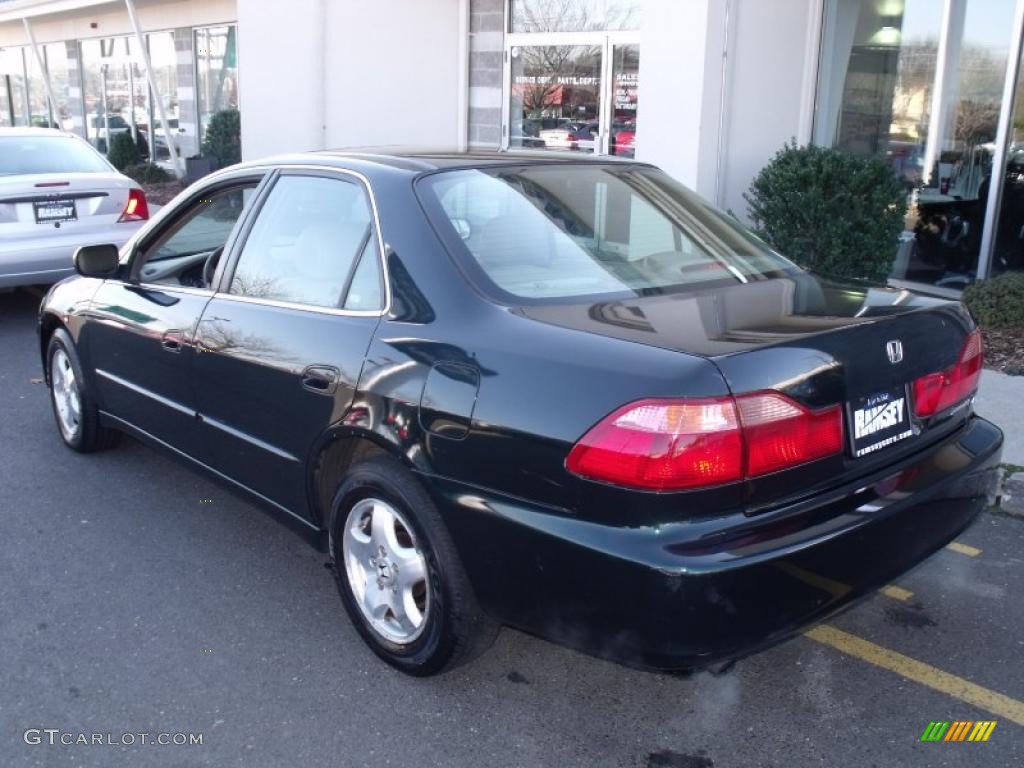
(1008, 252)
(919, 83)
(216, 72)
(57, 64)
(625, 81)
(164, 61)
(116, 94)
(576, 91)
(556, 96)
(575, 15)
(38, 103)
(13, 91)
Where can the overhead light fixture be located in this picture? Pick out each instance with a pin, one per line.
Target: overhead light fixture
(887, 36)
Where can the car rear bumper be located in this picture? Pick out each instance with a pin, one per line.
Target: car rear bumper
(47, 259)
(691, 594)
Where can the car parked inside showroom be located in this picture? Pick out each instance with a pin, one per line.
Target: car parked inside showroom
(58, 193)
(556, 392)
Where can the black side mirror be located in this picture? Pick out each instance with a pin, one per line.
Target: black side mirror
(96, 261)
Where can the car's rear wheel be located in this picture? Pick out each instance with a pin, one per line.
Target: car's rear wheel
(73, 406)
(400, 578)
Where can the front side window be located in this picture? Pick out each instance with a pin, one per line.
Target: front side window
(313, 243)
(186, 253)
(537, 234)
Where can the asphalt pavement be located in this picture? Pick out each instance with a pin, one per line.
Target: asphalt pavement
(138, 597)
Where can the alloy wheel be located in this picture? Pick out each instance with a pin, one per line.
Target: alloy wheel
(386, 571)
(66, 397)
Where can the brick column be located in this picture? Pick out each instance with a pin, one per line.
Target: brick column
(486, 52)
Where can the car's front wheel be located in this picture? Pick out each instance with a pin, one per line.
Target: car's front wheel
(73, 406)
(400, 578)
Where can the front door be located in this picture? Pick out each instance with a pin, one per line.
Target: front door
(573, 92)
(281, 345)
(140, 343)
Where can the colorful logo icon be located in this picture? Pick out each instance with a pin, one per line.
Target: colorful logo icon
(958, 730)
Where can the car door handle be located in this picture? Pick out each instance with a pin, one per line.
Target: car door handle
(322, 379)
(172, 341)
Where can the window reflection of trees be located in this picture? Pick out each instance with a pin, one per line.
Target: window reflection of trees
(574, 15)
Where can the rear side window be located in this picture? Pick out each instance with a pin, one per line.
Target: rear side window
(24, 155)
(312, 243)
(546, 233)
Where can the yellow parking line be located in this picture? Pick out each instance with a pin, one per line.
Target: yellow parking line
(963, 549)
(835, 588)
(897, 593)
(919, 672)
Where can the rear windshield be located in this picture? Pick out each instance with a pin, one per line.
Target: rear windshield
(550, 233)
(20, 155)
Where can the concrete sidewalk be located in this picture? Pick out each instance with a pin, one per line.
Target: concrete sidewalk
(1001, 400)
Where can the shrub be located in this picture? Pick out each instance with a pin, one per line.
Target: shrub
(123, 151)
(223, 139)
(147, 173)
(829, 211)
(998, 302)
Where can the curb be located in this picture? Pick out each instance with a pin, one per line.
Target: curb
(1010, 491)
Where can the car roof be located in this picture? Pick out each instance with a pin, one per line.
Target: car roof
(415, 160)
(24, 131)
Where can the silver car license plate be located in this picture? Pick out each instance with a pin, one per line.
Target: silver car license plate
(48, 211)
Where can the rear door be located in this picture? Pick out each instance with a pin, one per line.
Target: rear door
(281, 345)
(139, 337)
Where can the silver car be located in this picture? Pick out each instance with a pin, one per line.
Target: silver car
(57, 193)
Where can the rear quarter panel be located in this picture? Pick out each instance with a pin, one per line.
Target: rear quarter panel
(541, 387)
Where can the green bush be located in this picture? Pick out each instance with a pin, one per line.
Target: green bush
(223, 139)
(830, 211)
(147, 173)
(999, 302)
(123, 151)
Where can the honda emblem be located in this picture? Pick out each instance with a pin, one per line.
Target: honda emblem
(894, 349)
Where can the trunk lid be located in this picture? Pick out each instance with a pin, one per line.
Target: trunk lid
(819, 341)
(35, 205)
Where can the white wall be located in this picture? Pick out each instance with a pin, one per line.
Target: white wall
(671, 93)
(714, 120)
(343, 73)
(770, 85)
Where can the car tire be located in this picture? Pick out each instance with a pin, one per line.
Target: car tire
(74, 408)
(379, 597)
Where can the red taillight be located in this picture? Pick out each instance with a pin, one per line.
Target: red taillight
(136, 209)
(780, 433)
(665, 445)
(935, 392)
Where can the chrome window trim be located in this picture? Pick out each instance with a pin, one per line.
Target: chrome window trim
(296, 305)
(365, 183)
(172, 288)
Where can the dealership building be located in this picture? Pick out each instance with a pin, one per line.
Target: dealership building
(709, 90)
